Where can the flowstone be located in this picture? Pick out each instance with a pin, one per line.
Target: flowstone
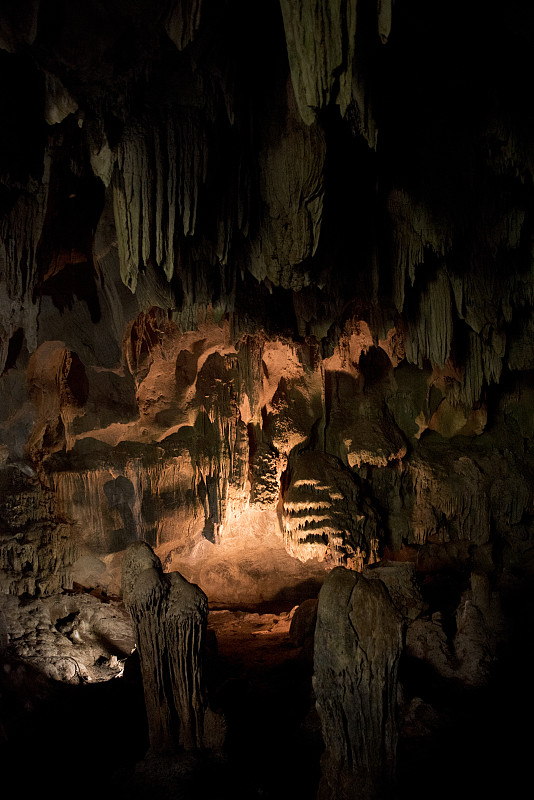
(170, 618)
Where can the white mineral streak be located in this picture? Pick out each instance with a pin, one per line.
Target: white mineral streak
(358, 644)
(81, 499)
(291, 187)
(345, 532)
(20, 231)
(160, 171)
(320, 38)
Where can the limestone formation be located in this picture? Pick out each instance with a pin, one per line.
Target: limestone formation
(37, 547)
(170, 617)
(326, 514)
(358, 643)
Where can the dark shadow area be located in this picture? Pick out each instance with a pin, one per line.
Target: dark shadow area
(61, 738)
(91, 739)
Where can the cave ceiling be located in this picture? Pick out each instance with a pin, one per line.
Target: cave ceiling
(266, 271)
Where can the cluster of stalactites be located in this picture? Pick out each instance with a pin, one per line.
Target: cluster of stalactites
(321, 38)
(160, 170)
(20, 231)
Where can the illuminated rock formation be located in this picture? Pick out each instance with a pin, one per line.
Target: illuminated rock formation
(326, 515)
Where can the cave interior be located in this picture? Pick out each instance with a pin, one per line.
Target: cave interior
(267, 325)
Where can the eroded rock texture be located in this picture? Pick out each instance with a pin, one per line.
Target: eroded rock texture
(170, 618)
(358, 643)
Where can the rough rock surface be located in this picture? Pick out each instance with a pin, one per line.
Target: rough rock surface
(358, 643)
(72, 637)
(170, 619)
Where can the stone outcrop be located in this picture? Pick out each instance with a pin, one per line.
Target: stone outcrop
(358, 643)
(38, 548)
(75, 638)
(326, 515)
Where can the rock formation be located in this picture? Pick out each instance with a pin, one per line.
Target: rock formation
(170, 619)
(358, 643)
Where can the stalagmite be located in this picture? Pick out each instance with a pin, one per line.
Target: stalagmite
(358, 643)
(170, 617)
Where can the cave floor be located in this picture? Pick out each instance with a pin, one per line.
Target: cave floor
(261, 682)
(90, 740)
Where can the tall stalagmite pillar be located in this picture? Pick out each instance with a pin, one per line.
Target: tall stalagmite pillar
(358, 642)
(170, 617)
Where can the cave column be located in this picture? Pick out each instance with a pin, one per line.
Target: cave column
(170, 619)
(358, 643)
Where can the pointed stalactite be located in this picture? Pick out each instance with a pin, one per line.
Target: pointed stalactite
(429, 333)
(292, 188)
(20, 231)
(447, 498)
(183, 21)
(320, 39)
(156, 185)
(414, 230)
(384, 13)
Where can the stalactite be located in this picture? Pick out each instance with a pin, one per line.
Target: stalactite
(291, 187)
(160, 171)
(320, 38)
(58, 102)
(429, 334)
(81, 499)
(37, 546)
(20, 231)
(414, 230)
(450, 499)
(384, 11)
(183, 21)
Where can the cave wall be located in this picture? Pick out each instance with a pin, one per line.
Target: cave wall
(266, 289)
